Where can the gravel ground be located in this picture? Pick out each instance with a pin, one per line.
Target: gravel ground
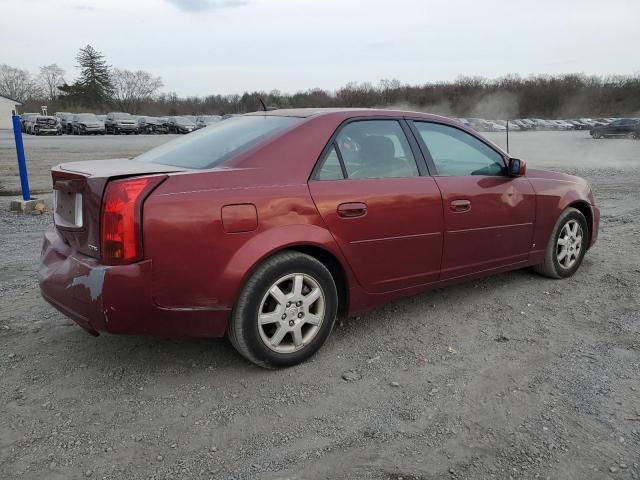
(513, 376)
(46, 151)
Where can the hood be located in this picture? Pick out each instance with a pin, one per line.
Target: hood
(549, 175)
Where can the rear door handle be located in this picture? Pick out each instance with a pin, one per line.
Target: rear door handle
(460, 205)
(352, 209)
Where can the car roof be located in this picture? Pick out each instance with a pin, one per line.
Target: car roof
(359, 112)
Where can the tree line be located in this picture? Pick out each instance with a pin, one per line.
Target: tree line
(100, 87)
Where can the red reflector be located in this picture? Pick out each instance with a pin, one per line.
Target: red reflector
(120, 229)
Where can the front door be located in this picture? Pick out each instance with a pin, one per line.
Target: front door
(385, 216)
(488, 215)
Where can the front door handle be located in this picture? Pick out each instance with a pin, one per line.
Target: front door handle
(352, 209)
(460, 205)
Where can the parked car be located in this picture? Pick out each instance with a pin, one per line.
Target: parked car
(561, 125)
(520, 123)
(206, 120)
(25, 118)
(513, 126)
(87, 124)
(181, 125)
(624, 127)
(163, 123)
(263, 227)
(120, 122)
(495, 126)
(66, 122)
(43, 125)
(579, 124)
(479, 124)
(149, 125)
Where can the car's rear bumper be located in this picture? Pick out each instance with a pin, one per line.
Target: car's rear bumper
(116, 299)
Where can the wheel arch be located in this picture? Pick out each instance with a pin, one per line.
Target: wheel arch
(311, 240)
(335, 267)
(584, 208)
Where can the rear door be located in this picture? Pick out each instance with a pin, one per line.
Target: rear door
(488, 216)
(372, 190)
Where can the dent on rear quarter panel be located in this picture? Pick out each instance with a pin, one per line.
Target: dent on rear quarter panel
(197, 264)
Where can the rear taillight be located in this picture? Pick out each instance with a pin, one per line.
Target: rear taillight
(120, 223)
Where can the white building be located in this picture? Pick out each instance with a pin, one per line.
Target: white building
(7, 106)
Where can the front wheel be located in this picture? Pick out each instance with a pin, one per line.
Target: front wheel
(285, 311)
(567, 245)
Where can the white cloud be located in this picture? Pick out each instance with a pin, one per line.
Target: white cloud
(203, 5)
(224, 46)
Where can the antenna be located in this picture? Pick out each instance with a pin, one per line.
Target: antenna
(264, 107)
(507, 135)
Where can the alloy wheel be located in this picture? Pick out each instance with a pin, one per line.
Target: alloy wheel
(569, 244)
(291, 313)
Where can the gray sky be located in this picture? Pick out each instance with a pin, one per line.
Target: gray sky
(201, 47)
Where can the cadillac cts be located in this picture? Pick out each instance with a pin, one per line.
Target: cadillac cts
(267, 225)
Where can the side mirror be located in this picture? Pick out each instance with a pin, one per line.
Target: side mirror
(517, 167)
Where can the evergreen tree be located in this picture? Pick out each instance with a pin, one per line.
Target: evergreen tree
(95, 80)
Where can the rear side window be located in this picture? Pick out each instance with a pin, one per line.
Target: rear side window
(456, 153)
(330, 168)
(211, 146)
(369, 149)
(376, 149)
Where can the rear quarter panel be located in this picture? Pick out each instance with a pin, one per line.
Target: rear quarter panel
(196, 264)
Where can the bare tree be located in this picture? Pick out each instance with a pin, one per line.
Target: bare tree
(131, 89)
(18, 84)
(51, 77)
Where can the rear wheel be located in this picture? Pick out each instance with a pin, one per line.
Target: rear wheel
(567, 245)
(285, 311)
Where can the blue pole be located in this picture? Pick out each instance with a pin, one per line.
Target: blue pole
(22, 163)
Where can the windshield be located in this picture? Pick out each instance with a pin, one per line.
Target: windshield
(184, 121)
(86, 116)
(211, 146)
(121, 116)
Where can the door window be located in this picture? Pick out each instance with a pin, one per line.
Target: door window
(376, 149)
(330, 168)
(457, 153)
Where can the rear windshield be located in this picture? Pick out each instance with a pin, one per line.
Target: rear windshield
(211, 146)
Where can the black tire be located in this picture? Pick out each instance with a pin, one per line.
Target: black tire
(551, 266)
(243, 331)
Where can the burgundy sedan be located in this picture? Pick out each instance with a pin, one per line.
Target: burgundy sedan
(267, 225)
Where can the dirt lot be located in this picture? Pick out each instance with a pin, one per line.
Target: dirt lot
(513, 376)
(44, 152)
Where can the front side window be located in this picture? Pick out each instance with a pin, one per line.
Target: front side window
(456, 153)
(376, 149)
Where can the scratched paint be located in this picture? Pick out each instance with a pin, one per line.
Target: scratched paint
(93, 282)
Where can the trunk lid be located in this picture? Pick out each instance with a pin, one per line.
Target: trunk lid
(77, 197)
